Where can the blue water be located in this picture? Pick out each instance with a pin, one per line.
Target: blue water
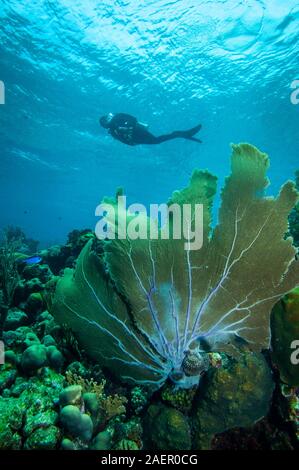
(228, 64)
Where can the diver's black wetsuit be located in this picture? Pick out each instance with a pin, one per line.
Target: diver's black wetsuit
(128, 130)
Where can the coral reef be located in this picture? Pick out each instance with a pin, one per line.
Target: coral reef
(138, 399)
(291, 413)
(8, 277)
(181, 399)
(285, 329)
(53, 395)
(25, 245)
(58, 257)
(143, 307)
(294, 219)
(235, 396)
(29, 412)
(167, 428)
(11, 422)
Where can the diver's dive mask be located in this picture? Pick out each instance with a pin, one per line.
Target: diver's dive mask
(105, 120)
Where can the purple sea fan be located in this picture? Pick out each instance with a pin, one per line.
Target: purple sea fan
(142, 308)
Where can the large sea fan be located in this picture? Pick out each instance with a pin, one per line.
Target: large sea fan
(147, 306)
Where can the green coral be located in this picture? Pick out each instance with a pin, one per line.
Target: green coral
(71, 395)
(14, 319)
(129, 430)
(33, 358)
(9, 275)
(167, 428)
(11, 413)
(285, 329)
(102, 407)
(29, 414)
(8, 375)
(34, 305)
(138, 399)
(76, 423)
(103, 440)
(43, 439)
(181, 399)
(294, 218)
(55, 357)
(126, 444)
(39, 419)
(58, 257)
(236, 396)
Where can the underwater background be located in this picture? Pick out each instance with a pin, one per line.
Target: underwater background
(226, 64)
(84, 369)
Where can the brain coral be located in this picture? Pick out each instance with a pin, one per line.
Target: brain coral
(145, 304)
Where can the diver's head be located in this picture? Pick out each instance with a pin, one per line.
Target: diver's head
(105, 120)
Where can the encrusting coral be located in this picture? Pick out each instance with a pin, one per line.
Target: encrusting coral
(140, 307)
(234, 396)
(285, 332)
(294, 218)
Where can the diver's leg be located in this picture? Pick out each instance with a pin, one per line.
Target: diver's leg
(181, 134)
(163, 138)
(143, 136)
(175, 135)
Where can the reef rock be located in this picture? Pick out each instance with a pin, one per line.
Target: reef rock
(233, 396)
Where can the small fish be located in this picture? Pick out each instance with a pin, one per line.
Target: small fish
(32, 260)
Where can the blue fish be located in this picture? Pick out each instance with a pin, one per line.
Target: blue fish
(32, 260)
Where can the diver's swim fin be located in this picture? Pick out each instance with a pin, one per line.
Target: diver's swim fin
(191, 132)
(194, 139)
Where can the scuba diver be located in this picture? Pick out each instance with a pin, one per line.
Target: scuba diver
(128, 130)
